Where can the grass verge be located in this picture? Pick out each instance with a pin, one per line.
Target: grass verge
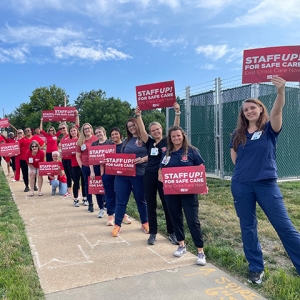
(18, 277)
(223, 245)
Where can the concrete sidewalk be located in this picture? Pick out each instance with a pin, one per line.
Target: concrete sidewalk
(76, 257)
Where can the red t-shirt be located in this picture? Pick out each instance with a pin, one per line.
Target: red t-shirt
(84, 150)
(65, 138)
(42, 137)
(51, 141)
(35, 159)
(24, 143)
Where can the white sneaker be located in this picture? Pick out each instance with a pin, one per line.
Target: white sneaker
(76, 203)
(180, 251)
(201, 260)
(85, 202)
(14, 180)
(101, 213)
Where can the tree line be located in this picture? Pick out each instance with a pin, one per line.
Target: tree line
(94, 107)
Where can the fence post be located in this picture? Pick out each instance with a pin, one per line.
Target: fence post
(255, 90)
(216, 124)
(188, 113)
(221, 150)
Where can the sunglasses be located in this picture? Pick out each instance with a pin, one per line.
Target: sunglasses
(62, 128)
(19, 132)
(26, 130)
(34, 146)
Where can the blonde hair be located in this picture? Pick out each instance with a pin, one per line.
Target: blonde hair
(81, 138)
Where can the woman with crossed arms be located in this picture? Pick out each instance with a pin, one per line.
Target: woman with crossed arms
(156, 145)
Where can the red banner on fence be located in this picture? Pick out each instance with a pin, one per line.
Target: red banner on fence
(65, 113)
(155, 95)
(96, 186)
(49, 168)
(49, 116)
(4, 123)
(184, 180)
(11, 149)
(97, 153)
(68, 147)
(260, 65)
(120, 164)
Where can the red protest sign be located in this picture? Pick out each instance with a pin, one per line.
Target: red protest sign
(120, 164)
(49, 168)
(68, 147)
(155, 95)
(11, 149)
(260, 65)
(48, 116)
(65, 113)
(96, 186)
(4, 123)
(97, 153)
(184, 180)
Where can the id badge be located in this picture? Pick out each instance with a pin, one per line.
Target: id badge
(256, 135)
(30, 160)
(154, 151)
(83, 147)
(54, 138)
(166, 160)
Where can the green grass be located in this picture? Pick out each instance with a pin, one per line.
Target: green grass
(18, 277)
(222, 238)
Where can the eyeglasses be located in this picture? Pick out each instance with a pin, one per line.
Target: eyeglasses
(26, 130)
(98, 132)
(34, 146)
(19, 132)
(86, 128)
(131, 126)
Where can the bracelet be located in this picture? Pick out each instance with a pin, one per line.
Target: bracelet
(177, 114)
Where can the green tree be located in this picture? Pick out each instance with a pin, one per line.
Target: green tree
(155, 115)
(43, 98)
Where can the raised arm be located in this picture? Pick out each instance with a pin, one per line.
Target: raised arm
(77, 118)
(41, 124)
(143, 132)
(13, 127)
(276, 111)
(177, 114)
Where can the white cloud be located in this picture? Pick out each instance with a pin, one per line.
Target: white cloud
(209, 67)
(13, 54)
(164, 43)
(268, 11)
(89, 53)
(212, 51)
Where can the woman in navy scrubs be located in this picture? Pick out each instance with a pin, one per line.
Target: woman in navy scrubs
(253, 151)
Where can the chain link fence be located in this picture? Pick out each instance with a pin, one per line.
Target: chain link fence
(209, 115)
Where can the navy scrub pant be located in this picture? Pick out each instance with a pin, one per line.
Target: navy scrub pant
(267, 194)
(190, 205)
(123, 187)
(110, 195)
(152, 185)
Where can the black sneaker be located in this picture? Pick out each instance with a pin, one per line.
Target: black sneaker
(256, 277)
(91, 208)
(152, 239)
(35, 188)
(172, 238)
(27, 189)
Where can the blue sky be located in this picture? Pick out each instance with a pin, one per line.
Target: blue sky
(114, 45)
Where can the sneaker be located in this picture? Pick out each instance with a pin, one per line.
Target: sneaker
(145, 227)
(126, 219)
(256, 277)
(27, 189)
(76, 203)
(101, 213)
(85, 202)
(53, 192)
(116, 230)
(180, 251)
(110, 221)
(152, 239)
(91, 208)
(201, 260)
(35, 188)
(66, 195)
(13, 180)
(172, 238)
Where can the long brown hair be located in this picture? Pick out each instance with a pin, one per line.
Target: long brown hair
(129, 134)
(69, 131)
(185, 143)
(239, 135)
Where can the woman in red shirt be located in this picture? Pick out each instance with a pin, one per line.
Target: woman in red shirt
(33, 157)
(82, 155)
(51, 137)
